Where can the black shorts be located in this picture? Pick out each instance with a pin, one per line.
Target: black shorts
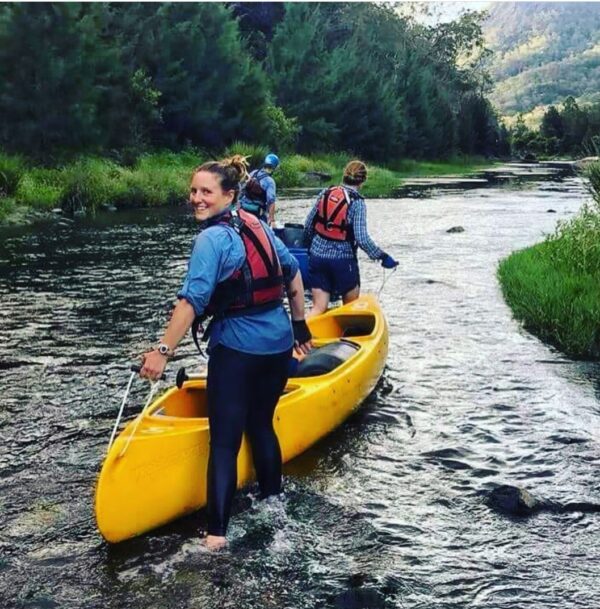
(335, 276)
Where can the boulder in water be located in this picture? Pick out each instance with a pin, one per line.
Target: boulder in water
(513, 500)
(516, 501)
(317, 176)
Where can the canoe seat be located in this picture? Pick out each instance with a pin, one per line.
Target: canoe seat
(292, 235)
(322, 360)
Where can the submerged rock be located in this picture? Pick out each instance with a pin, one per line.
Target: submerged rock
(586, 162)
(529, 157)
(516, 501)
(512, 500)
(317, 176)
(360, 598)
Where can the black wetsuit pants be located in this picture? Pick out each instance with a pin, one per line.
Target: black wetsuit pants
(243, 390)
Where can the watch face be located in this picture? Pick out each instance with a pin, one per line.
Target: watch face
(163, 349)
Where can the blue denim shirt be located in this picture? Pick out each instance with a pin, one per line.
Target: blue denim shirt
(268, 185)
(357, 218)
(217, 253)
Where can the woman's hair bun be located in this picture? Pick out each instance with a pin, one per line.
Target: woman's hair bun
(239, 163)
(355, 172)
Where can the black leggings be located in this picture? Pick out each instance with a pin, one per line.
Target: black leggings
(243, 390)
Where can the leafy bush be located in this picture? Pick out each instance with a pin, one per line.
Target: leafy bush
(287, 175)
(284, 131)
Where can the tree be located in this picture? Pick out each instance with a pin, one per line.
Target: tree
(552, 124)
(297, 67)
(575, 125)
(521, 137)
(49, 59)
(211, 93)
(257, 22)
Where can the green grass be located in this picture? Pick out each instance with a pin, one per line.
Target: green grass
(12, 169)
(553, 288)
(7, 208)
(162, 178)
(40, 188)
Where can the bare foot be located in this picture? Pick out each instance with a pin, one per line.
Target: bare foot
(214, 542)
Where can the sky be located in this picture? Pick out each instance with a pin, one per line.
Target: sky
(447, 10)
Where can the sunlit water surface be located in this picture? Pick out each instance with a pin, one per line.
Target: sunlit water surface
(389, 510)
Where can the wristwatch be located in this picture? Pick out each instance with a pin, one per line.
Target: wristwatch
(164, 349)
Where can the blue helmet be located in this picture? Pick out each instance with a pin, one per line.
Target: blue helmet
(272, 160)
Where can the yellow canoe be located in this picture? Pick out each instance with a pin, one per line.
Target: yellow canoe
(162, 473)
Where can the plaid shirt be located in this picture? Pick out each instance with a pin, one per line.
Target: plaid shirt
(357, 218)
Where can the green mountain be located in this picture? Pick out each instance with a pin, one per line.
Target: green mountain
(543, 52)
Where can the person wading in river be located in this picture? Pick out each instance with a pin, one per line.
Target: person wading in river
(335, 228)
(259, 193)
(236, 274)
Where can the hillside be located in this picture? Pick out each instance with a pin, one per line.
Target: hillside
(543, 52)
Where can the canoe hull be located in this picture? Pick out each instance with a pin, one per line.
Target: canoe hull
(162, 474)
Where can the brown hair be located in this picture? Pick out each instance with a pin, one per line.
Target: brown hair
(355, 173)
(231, 171)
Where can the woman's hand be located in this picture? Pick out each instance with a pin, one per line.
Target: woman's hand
(153, 365)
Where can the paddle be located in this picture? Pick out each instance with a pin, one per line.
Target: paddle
(183, 376)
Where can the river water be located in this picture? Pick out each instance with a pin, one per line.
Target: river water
(389, 510)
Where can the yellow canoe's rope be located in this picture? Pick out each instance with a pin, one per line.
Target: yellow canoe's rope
(114, 431)
(153, 390)
(385, 279)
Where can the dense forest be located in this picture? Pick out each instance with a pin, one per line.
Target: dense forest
(542, 53)
(567, 130)
(119, 79)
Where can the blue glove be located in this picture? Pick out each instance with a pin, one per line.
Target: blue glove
(387, 262)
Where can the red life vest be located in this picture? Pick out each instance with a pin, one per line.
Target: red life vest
(258, 285)
(331, 221)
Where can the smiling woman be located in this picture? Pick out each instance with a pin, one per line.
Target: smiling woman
(236, 275)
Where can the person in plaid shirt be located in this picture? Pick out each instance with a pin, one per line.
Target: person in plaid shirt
(335, 228)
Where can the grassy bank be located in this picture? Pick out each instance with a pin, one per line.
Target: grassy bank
(162, 178)
(554, 286)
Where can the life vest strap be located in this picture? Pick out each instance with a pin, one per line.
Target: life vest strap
(336, 211)
(232, 313)
(267, 260)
